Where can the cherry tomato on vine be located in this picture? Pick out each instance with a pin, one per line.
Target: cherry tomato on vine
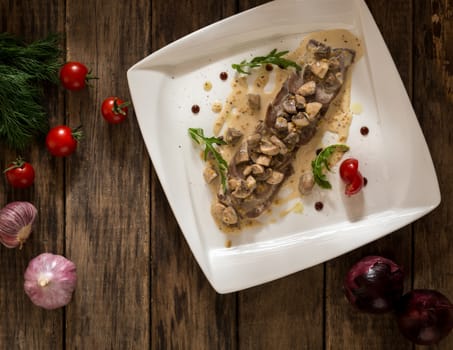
(114, 110)
(61, 141)
(74, 76)
(20, 174)
(348, 169)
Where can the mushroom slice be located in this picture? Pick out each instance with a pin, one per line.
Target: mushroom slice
(209, 174)
(275, 178)
(254, 101)
(233, 135)
(307, 89)
(229, 216)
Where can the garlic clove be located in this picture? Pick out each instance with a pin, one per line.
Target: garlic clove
(50, 280)
(16, 221)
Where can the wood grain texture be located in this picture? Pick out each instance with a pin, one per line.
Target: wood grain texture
(107, 183)
(19, 317)
(394, 19)
(186, 312)
(433, 103)
(139, 284)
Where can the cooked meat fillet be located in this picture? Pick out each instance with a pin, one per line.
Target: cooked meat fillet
(264, 159)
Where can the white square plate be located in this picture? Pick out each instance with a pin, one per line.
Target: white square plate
(402, 184)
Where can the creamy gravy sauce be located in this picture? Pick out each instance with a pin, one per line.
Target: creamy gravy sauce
(237, 113)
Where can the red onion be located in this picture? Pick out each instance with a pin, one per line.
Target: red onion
(425, 316)
(50, 280)
(374, 284)
(16, 220)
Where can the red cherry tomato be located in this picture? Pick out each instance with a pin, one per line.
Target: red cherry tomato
(74, 76)
(114, 110)
(20, 174)
(348, 170)
(61, 141)
(355, 185)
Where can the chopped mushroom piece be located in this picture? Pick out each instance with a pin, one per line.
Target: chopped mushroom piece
(309, 88)
(257, 169)
(280, 144)
(268, 148)
(313, 109)
(209, 174)
(300, 120)
(306, 182)
(263, 160)
(243, 154)
(300, 101)
(289, 105)
(281, 124)
(232, 136)
(275, 178)
(230, 217)
(245, 188)
(254, 101)
(253, 140)
(217, 210)
(320, 68)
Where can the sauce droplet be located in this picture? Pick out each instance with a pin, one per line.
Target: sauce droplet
(319, 206)
(223, 76)
(195, 109)
(207, 86)
(269, 67)
(364, 130)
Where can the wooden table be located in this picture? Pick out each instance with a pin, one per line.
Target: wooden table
(103, 207)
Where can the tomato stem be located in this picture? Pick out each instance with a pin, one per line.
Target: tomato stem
(18, 163)
(77, 133)
(118, 108)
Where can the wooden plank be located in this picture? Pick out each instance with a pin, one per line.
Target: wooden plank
(107, 186)
(346, 328)
(287, 313)
(23, 325)
(433, 102)
(186, 311)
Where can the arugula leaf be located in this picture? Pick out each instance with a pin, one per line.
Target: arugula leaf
(197, 134)
(272, 57)
(321, 162)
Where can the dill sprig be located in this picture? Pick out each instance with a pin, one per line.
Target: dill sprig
(272, 57)
(24, 69)
(197, 134)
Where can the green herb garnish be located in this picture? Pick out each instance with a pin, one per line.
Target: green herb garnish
(197, 134)
(321, 162)
(24, 70)
(272, 57)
